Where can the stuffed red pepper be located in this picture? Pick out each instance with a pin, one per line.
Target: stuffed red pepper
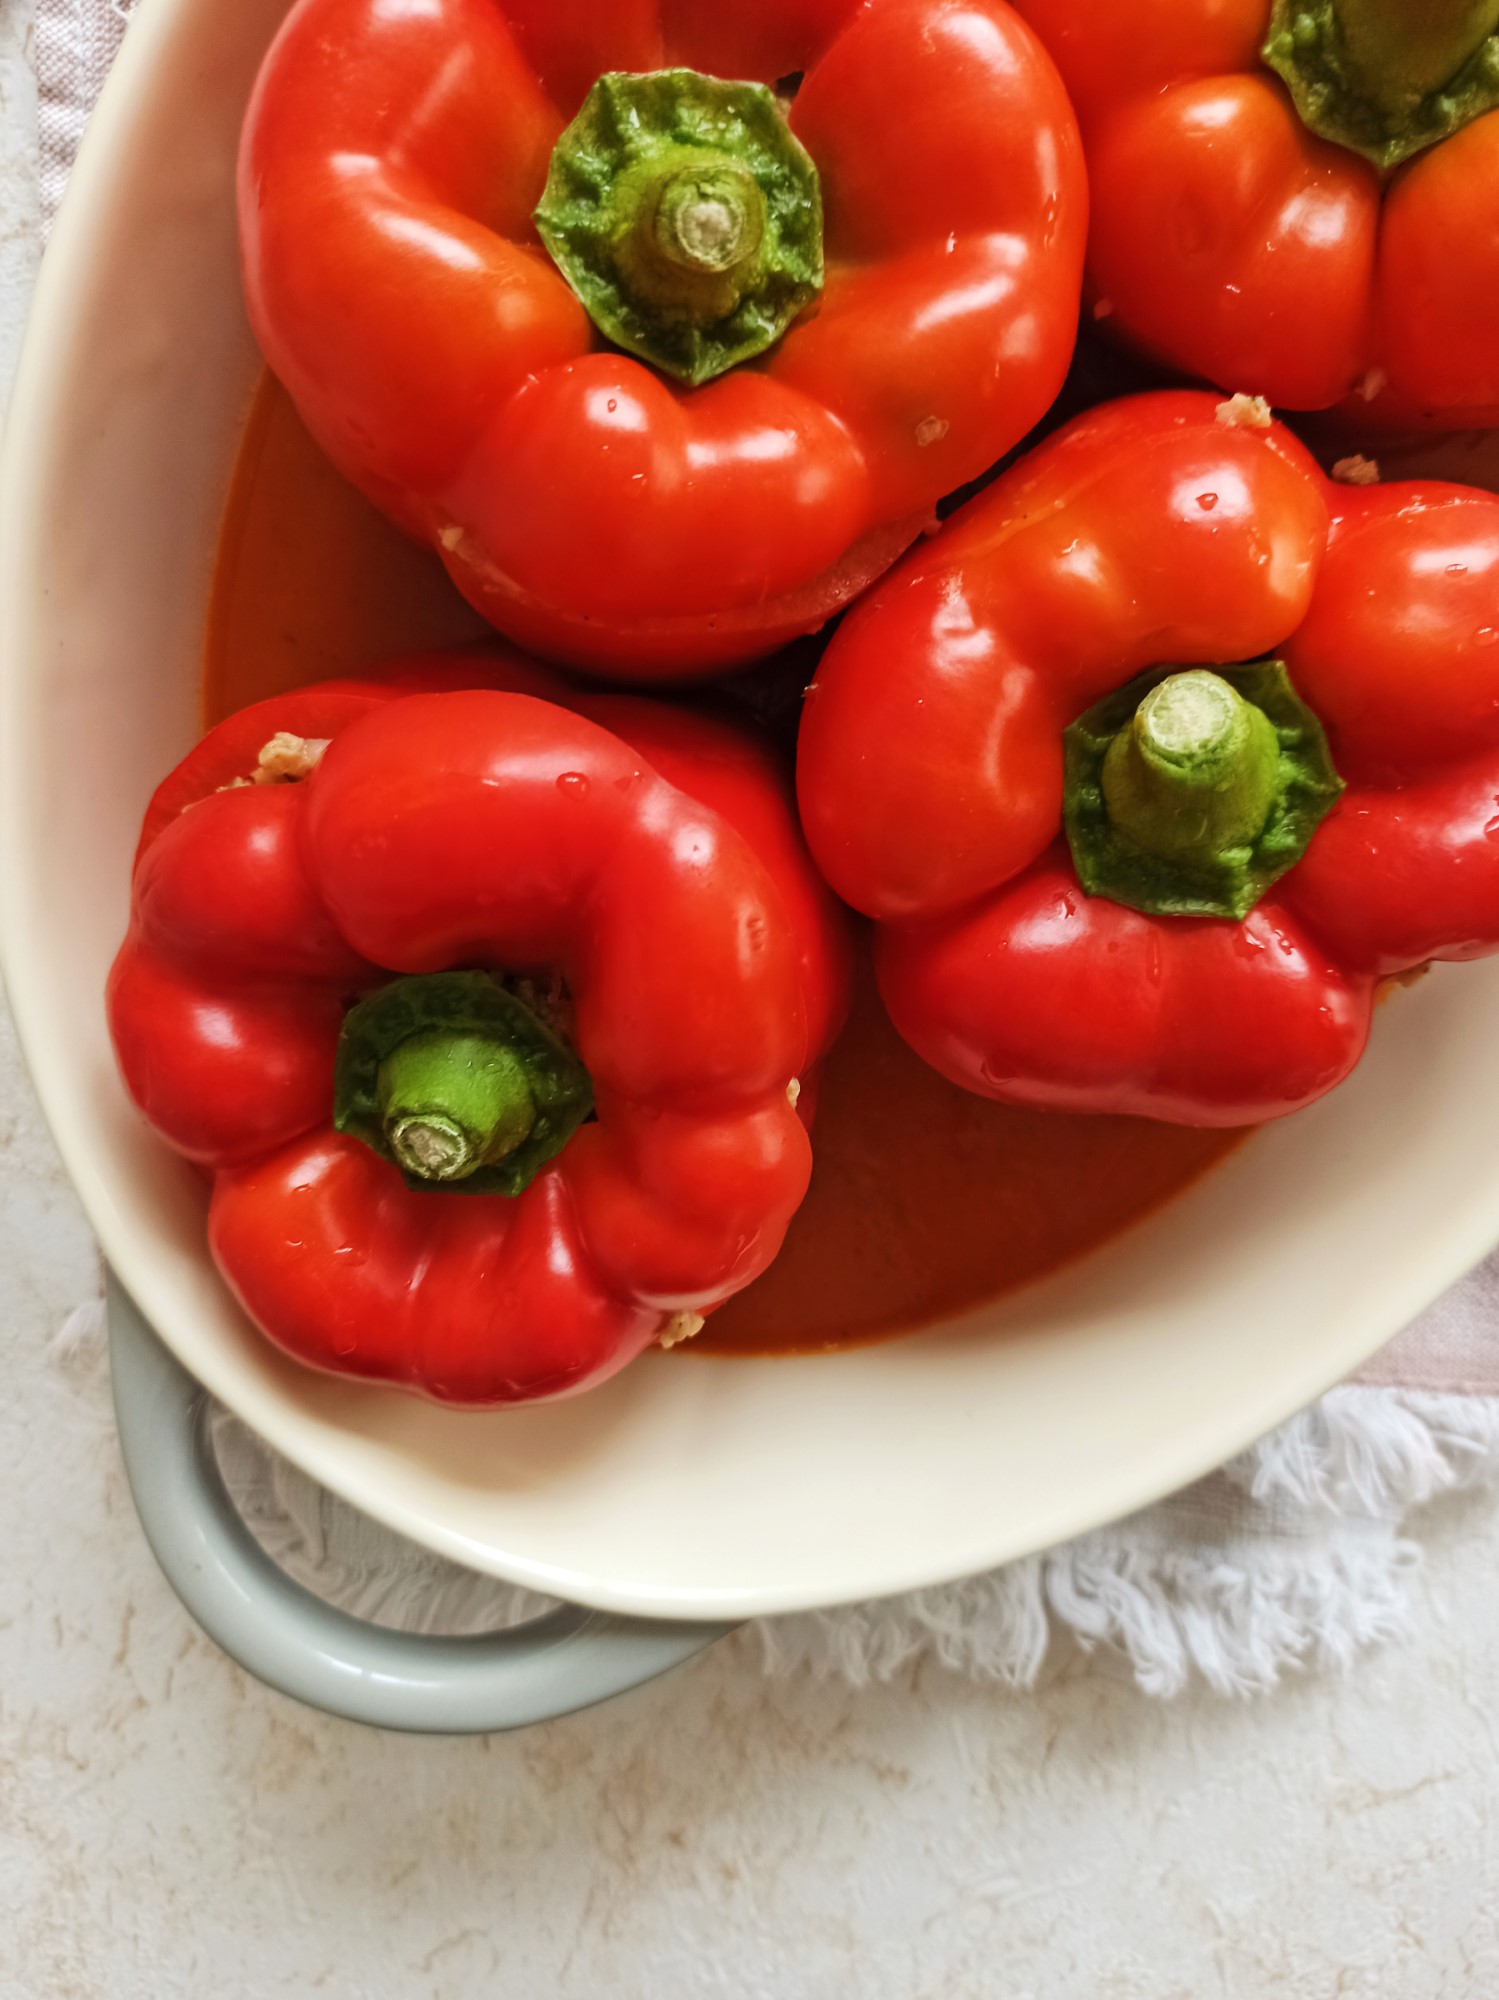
(1296, 199)
(1159, 757)
(487, 1011)
(664, 362)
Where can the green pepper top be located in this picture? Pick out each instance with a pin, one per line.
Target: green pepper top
(1190, 791)
(1387, 78)
(458, 1083)
(686, 217)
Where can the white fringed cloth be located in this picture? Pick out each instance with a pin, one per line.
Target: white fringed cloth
(1296, 1555)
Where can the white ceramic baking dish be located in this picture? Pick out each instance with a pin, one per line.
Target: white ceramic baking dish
(686, 1488)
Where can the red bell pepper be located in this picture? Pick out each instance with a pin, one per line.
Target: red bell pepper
(841, 311)
(1296, 199)
(1262, 708)
(313, 1002)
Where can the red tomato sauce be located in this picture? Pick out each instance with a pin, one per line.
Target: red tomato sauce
(925, 1200)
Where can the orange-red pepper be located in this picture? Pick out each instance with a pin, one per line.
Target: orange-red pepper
(845, 309)
(1263, 708)
(1295, 199)
(423, 1172)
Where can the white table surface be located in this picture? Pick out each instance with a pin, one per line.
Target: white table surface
(168, 1827)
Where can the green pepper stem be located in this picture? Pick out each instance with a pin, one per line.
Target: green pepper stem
(689, 236)
(1387, 78)
(707, 219)
(1400, 51)
(686, 216)
(1195, 771)
(457, 1081)
(451, 1103)
(1188, 792)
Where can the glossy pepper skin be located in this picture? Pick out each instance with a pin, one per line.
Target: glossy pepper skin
(650, 857)
(594, 510)
(1234, 243)
(1150, 532)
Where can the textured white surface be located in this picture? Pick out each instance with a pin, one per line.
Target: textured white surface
(169, 1828)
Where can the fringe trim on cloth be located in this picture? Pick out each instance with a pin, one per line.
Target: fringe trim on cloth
(1290, 1558)
(1374, 1451)
(1240, 1623)
(1293, 1557)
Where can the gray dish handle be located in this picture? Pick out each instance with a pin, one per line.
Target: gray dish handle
(291, 1640)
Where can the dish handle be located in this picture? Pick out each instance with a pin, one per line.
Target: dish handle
(286, 1637)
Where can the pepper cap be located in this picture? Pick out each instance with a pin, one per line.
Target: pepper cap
(686, 216)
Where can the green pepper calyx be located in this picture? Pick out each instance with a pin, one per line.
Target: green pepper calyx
(686, 217)
(457, 1082)
(1387, 78)
(1190, 791)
